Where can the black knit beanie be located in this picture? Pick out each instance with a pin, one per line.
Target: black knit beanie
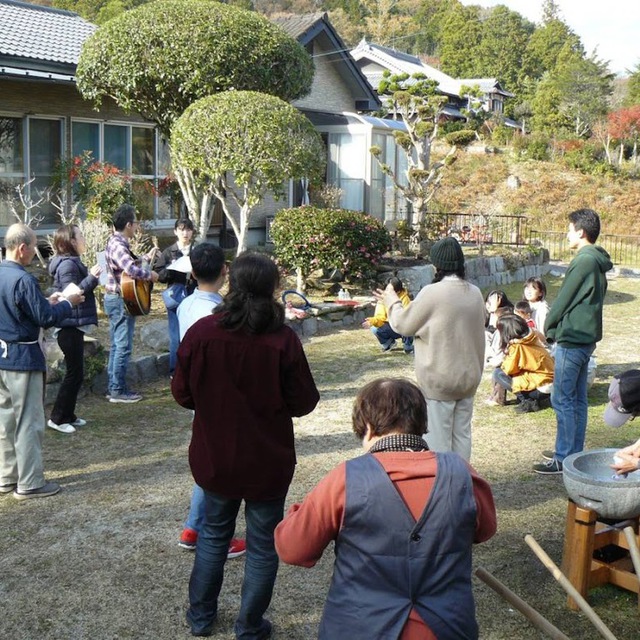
(446, 255)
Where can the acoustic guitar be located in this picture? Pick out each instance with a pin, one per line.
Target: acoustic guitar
(136, 294)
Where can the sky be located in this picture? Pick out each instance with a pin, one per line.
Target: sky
(611, 26)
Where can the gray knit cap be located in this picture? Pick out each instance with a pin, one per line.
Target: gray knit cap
(446, 255)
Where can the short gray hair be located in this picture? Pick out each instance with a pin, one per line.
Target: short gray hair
(18, 234)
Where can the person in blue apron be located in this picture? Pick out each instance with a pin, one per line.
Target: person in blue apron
(404, 520)
(24, 312)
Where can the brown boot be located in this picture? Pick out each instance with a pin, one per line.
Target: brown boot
(500, 394)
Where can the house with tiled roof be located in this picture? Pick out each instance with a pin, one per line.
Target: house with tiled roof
(373, 60)
(340, 106)
(43, 118)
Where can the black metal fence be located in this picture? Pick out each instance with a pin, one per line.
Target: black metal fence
(477, 229)
(624, 250)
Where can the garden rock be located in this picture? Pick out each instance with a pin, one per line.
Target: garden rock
(155, 336)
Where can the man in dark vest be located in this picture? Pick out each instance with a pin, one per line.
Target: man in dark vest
(404, 520)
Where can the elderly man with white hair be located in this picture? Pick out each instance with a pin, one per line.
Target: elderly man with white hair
(24, 311)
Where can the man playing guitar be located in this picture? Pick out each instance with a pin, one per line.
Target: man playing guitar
(120, 259)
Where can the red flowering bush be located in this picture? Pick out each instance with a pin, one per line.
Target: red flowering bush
(98, 187)
(309, 238)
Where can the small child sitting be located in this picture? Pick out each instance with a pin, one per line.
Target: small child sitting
(535, 292)
(523, 309)
(527, 369)
(379, 324)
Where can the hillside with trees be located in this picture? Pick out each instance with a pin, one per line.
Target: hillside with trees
(582, 124)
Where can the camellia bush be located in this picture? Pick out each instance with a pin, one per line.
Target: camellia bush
(309, 238)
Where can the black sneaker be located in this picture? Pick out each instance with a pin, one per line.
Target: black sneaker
(549, 468)
(548, 454)
(528, 406)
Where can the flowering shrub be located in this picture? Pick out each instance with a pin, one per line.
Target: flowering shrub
(98, 187)
(309, 238)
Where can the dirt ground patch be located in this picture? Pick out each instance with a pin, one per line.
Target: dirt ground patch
(100, 560)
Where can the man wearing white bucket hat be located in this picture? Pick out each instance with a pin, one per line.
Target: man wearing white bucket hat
(624, 405)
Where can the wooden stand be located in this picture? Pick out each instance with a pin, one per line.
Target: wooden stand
(584, 534)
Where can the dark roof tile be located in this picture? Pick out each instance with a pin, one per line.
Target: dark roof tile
(34, 32)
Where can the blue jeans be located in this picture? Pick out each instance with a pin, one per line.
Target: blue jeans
(261, 564)
(121, 326)
(500, 377)
(196, 510)
(569, 398)
(174, 338)
(385, 334)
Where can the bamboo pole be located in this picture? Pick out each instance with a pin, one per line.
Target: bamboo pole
(597, 622)
(535, 618)
(630, 535)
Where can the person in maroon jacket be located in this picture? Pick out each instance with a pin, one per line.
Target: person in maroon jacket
(245, 374)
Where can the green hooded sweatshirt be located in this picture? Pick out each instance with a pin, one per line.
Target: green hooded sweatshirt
(575, 317)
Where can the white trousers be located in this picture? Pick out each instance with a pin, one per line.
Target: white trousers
(449, 426)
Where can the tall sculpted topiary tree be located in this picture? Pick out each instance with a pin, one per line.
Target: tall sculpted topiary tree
(416, 102)
(161, 57)
(238, 145)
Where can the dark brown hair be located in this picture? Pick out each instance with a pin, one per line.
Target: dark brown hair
(249, 305)
(389, 405)
(62, 238)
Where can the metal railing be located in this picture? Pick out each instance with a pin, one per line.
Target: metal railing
(624, 250)
(478, 228)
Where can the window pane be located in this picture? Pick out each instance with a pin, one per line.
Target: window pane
(143, 197)
(142, 160)
(116, 146)
(7, 193)
(45, 146)
(11, 145)
(164, 156)
(85, 137)
(40, 192)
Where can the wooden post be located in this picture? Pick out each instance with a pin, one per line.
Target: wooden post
(578, 549)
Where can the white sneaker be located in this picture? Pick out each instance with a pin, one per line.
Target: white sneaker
(65, 427)
(79, 422)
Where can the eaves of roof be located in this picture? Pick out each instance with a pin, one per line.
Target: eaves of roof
(306, 28)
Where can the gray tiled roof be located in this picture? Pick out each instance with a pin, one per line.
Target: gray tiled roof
(296, 25)
(40, 35)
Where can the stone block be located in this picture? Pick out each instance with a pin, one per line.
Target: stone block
(162, 365)
(100, 383)
(155, 335)
(51, 392)
(348, 320)
(147, 369)
(309, 326)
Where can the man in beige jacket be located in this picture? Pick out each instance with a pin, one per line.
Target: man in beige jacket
(447, 322)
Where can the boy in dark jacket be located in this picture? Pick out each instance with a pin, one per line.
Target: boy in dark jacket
(574, 323)
(183, 230)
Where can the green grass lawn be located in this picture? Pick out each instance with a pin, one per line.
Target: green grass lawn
(100, 560)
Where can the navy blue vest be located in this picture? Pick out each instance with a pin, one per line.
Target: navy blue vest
(387, 563)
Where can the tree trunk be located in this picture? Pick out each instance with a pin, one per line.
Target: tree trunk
(301, 284)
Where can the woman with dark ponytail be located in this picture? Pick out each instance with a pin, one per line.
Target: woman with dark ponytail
(245, 374)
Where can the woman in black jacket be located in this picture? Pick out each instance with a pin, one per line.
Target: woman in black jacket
(67, 268)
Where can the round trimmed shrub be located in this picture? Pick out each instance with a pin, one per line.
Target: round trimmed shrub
(308, 238)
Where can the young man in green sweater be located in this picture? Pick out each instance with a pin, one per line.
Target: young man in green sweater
(574, 323)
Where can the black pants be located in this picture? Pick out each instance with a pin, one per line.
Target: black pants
(71, 341)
